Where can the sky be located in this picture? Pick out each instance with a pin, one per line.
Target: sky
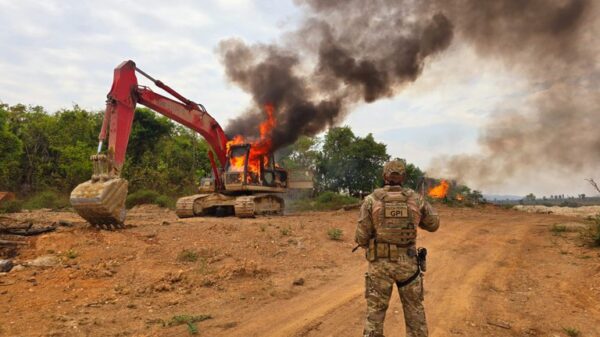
(59, 53)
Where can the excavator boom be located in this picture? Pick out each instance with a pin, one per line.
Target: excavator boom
(101, 200)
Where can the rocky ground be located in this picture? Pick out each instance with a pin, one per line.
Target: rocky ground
(492, 272)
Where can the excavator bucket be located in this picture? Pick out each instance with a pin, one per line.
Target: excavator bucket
(101, 203)
(101, 200)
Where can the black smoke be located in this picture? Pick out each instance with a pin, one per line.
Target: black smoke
(345, 52)
(348, 52)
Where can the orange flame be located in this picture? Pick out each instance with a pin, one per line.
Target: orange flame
(260, 148)
(459, 197)
(440, 190)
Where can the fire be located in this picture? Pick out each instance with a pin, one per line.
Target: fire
(459, 197)
(260, 148)
(440, 190)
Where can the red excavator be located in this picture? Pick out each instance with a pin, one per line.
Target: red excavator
(246, 181)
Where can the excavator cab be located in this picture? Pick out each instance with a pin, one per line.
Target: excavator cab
(249, 171)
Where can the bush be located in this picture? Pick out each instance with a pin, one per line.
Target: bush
(571, 204)
(596, 236)
(557, 229)
(325, 201)
(165, 201)
(142, 197)
(11, 206)
(335, 233)
(188, 255)
(571, 332)
(47, 199)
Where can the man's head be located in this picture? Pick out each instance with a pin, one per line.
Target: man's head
(394, 172)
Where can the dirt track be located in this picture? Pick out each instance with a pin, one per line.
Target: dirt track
(492, 272)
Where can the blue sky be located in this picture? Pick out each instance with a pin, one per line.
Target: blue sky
(59, 53)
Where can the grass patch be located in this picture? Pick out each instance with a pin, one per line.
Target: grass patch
(189, 320)
(187, 255)
(285, 231)
(176, 320)
(325, 201)
(558, 229)
(571, 332)
(335, 234)
(71, 254)
(11, 206)
(142, 197)
(47, 199)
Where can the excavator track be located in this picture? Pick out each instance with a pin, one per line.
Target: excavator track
(188, 207)
(261, 204)
(244, 207)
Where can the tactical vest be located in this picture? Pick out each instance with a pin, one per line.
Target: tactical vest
(393, 218)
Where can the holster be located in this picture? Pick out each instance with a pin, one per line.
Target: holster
(422, 258)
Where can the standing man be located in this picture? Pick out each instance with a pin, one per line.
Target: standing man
(387, 229)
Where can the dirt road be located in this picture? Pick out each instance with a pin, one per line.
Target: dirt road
(492, 272)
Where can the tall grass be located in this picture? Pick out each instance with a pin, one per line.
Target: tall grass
(325, 201)
(142, 197)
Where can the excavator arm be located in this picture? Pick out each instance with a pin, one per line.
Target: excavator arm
(101, 200)
(125, 93)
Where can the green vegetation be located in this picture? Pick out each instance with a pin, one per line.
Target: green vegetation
(41, 152)
(325, 201)
(571, 332)
(43, 156)
(335, 233)
(189, 320)
(47, 199)
(286, 231)
(187, 255)
(142, 197)
(596, 231)
(71, 254)
(176, 320)
(341, 160)
(556, 229)
(11, 206)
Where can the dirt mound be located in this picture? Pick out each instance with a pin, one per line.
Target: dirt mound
(583, 211)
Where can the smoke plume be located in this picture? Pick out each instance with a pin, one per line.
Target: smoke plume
(345, 52)
(348, 52)
(555, 45)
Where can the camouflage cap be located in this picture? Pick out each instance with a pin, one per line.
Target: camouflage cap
(394, 166)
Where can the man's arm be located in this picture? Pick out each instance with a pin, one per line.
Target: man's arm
(430, 220)
(364, 228)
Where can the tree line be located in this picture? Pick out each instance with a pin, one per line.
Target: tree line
(42, 151)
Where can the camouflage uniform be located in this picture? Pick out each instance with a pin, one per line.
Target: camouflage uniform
(394, 262)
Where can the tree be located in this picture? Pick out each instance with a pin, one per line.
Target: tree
(304, 153)
(350, 163)
(11, 149)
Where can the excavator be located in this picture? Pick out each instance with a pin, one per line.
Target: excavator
(245, 183)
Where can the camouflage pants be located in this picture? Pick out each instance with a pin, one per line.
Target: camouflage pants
(380, 280)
